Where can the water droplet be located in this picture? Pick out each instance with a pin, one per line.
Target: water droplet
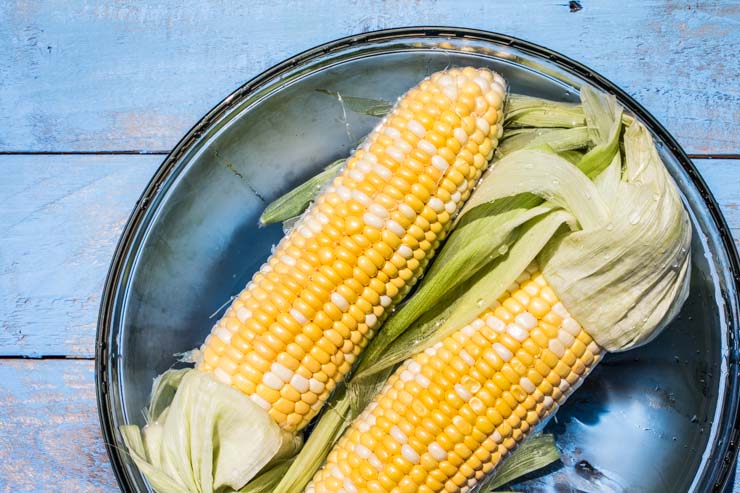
(529, 166)
(480, 302)
(503, 249)
(634, 218)
(556, 182)
(609, 227)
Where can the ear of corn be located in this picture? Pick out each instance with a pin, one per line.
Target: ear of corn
(450, 414)
(296, 329)
(294, 332)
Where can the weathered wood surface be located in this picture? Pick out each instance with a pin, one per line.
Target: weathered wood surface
(49, 434)
(60, 218)
(110, 75)
(61, 221)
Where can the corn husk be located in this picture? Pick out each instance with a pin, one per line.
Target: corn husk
(537, 452)
(293, 203)
(472, 297)
(559, 139)
(268, 479)
(527, 111)
(627, 278)
(203, 435)
(363, 106)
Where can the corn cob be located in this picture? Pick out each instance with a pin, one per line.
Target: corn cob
(293, 333)
(451, 413)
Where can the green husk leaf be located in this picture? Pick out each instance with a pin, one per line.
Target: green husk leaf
(473, 297)
(296, 201)
(558, 139)
(364, 106)
(624, 280)
(547, 175)
(335, 418)
(526, 111)
(536, 452)
(268, 479)
(573, 157)
(363, 390)
(604, 118)
(481, 236)
(208, 437)
(163, 391)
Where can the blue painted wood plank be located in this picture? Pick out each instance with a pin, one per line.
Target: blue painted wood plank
(62, 217)
(49, 434)
(78, 75)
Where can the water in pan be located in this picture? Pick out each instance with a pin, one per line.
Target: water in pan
(642, 421)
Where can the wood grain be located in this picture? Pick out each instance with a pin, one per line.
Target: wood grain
(138, 75)
(50, 439)
(62, 219)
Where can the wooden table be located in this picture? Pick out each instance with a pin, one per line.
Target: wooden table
(94, 93)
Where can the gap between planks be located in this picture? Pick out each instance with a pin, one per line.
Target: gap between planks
(143, 152)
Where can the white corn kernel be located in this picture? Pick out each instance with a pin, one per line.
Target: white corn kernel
(272, 381)
(556, 347)
(409, 454)
(299, 382)
(436, 204)
(282, 372)
(526, 320)
(416, 127)
(243, 314)
(257, 399)
(340, 301)
(436, 451)
(427, 147)
(372, 220)
(503, 351)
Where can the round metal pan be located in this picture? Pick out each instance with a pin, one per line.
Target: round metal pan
(661, 418)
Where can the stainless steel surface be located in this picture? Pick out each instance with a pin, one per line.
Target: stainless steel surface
(655, 419)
